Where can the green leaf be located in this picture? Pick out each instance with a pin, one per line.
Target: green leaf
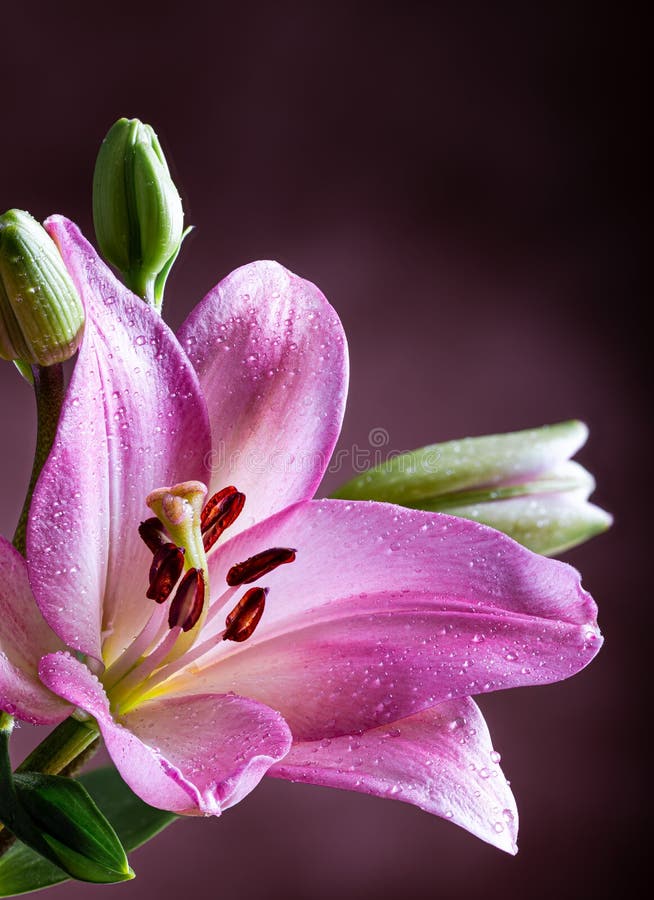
(22, 870)
(25, 370)
(81, 840)
(162, 277)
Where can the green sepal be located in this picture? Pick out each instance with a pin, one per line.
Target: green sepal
(23, 870)
(25, 370)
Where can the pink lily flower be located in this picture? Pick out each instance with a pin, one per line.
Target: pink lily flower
(318, 640)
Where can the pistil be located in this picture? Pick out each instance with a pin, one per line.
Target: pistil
(179, 509)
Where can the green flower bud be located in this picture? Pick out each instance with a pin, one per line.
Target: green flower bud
(41, 314)
(137, 211)
(522, 483)
(56, 817)
(61, 821)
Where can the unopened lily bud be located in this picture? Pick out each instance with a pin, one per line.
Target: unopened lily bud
(137, 211)
(522, 483)
(59, 819)
(41, 314)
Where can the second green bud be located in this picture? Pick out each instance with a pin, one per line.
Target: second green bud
(41, 314)
(137, 211)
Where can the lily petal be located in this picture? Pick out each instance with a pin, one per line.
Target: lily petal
(191, 755)
(24, 638)
(441, 760)
(387, 611)
(133, 420)
(271, 356)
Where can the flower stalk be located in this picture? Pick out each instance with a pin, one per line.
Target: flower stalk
(62, 747)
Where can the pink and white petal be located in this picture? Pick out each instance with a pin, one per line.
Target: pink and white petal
(346, 548)
(271, 356)
(387, 611)
(191, 755)
(24, 638)
(441, 760)
(133, 420)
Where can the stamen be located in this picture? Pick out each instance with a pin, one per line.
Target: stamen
(220, 512)
(213, 506)
(153, 534)
(188, 602)
(150, 636)
(258, 565)
(165, 570)
(218, 604)
(245, 616)
(131, 687)
(241, 623)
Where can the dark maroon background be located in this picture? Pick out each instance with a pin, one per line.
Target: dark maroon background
(463, 184)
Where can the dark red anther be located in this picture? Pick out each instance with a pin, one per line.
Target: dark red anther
(165, 570)
(188, 601)
(258, 565)
(153, 534)
(219, 513)
(244, 618)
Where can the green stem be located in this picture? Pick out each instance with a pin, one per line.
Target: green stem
(62, 747)
(49, 392)
(7, 794)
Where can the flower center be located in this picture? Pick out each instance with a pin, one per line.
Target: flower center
(180, 534)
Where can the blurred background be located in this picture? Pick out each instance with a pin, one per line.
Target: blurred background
(463, 181)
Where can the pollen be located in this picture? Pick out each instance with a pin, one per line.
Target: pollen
(245, 616)
(221, 511)
(258, 565)
(167, 566)
(188, 602)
